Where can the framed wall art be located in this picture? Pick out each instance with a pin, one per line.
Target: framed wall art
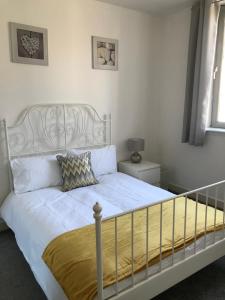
(104, 53)
(29, 44)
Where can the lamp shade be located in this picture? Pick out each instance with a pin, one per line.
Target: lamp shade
(136, 144)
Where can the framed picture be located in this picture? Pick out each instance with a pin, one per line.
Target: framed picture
(104, 53)
(29, 44)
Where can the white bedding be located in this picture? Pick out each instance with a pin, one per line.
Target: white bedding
(38, 217)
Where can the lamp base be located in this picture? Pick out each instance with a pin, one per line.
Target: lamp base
(135, 158)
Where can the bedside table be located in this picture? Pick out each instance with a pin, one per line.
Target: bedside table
(145, 170)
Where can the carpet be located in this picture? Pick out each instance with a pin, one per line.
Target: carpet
(18, 283)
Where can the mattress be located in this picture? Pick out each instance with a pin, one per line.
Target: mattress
(38, 217)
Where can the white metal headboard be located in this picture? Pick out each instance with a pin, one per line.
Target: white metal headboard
(46, 128)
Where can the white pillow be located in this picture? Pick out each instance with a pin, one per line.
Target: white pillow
(36, 172)
(103, 160)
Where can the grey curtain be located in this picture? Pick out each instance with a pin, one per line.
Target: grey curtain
(199, 84)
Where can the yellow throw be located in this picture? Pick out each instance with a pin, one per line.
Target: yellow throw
(72, 257)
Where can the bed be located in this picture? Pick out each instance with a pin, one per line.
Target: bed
(52, 212)
(38, 217)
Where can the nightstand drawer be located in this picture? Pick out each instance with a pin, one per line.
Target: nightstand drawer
(150, 176)
(146, 171)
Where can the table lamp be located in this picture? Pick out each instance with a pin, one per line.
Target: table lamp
(135, 145)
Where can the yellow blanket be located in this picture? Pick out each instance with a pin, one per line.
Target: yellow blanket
(72, 258)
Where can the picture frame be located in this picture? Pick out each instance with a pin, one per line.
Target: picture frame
(104, 53)
(29, 44)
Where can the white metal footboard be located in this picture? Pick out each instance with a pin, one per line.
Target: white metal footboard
(212, 195)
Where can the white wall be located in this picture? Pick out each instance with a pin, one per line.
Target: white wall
(69, 76)
(127, 94)
(146, 95)
(186, 165)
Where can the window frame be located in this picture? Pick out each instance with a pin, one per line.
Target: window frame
(220, 51)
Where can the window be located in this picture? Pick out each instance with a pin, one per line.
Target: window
(218, 108)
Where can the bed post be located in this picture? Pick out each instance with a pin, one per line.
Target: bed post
(108, 133)
(99, 260)
(8, 154)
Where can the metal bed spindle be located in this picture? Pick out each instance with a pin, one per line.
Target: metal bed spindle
(215, 210)
(116, 256)
(147, 230)
(196, 220)
(132, 245)
(160, 241)
(224, 211)
(206, 214)
(64, 126)
(173, 230)
(185, 225)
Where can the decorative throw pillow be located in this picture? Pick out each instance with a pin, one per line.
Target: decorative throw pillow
(76, 171)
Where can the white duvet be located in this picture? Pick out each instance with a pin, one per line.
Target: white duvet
(38, 217)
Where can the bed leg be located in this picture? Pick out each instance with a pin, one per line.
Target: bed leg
(99, 260)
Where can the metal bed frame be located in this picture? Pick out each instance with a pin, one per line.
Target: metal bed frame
(52, 128)
(155, 284)
(57, 127)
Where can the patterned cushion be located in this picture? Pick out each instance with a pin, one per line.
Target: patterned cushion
(76, 171)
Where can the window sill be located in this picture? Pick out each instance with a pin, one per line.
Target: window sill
(215, 130)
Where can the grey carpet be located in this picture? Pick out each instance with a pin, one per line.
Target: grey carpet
(18, 283)
(16, 279)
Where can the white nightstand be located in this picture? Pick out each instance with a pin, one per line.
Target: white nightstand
(145, 170)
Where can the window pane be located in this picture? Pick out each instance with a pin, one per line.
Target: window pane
(221, 105)
(221, 94)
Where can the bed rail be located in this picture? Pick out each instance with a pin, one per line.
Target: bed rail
(211, 196)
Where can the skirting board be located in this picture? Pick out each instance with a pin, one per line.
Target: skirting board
(176, 189)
